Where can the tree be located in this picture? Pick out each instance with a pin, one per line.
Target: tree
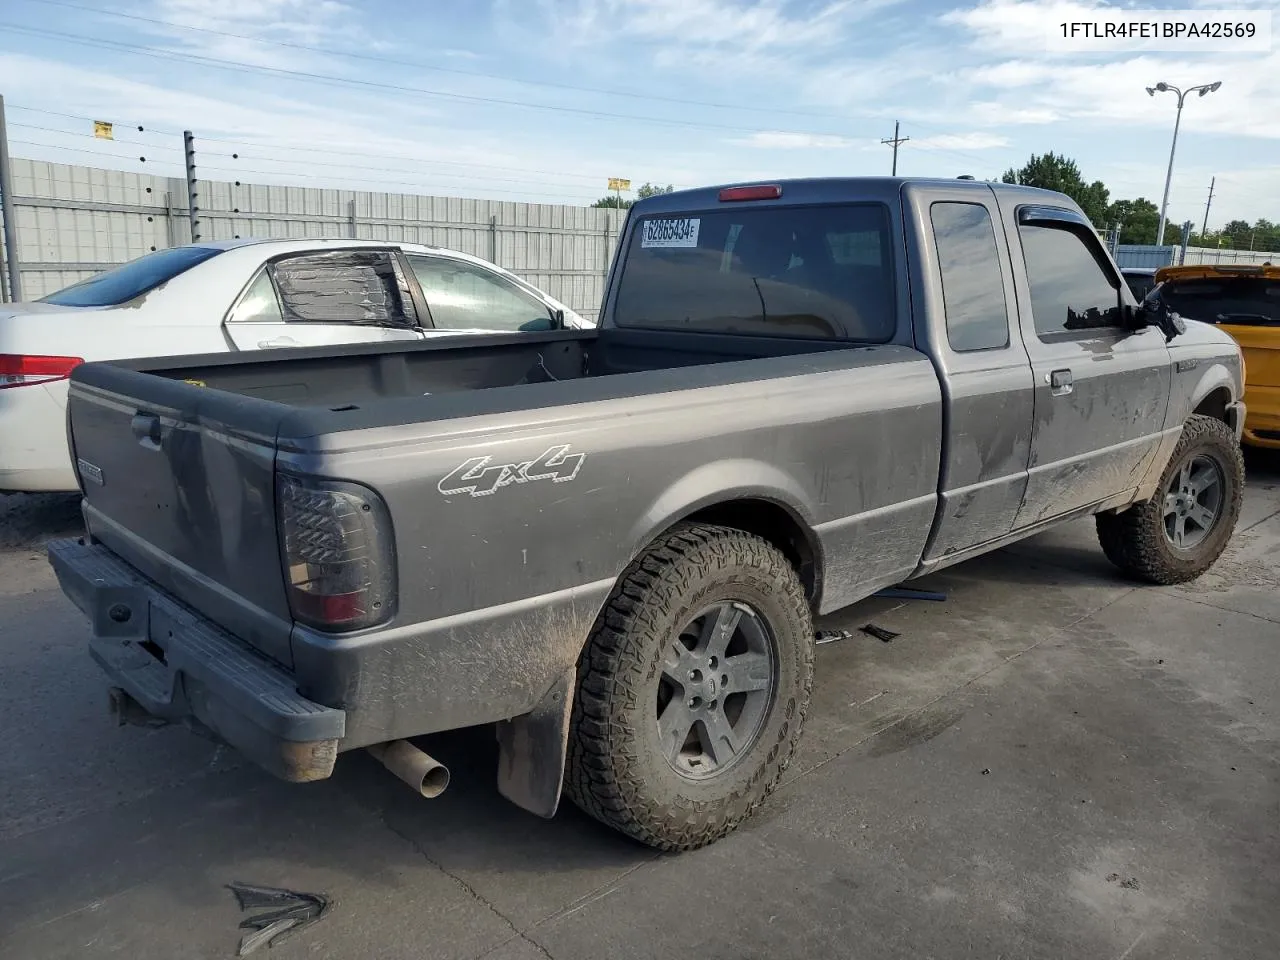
(645, 190)
(1138, 220)
(653, 190)
(1054, 172)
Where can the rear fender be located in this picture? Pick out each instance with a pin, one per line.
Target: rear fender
(533, 747)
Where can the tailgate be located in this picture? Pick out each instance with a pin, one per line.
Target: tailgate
(179, 481)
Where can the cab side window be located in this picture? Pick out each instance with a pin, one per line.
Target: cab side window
(1071, 291)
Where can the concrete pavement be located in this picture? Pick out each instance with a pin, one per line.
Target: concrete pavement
(1053, 763)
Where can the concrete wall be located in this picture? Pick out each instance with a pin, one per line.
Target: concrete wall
(75, 221)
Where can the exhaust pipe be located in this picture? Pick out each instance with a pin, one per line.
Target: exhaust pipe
(419, 770)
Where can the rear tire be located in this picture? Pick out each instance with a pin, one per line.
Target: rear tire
(1180, 532)
(692, 689)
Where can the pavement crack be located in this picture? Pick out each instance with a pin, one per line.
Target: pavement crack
(468, 889)
(1217, 606)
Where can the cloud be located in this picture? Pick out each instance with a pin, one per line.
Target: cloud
(758, 25)
(198, 25)
(781, 140)
(960, 141)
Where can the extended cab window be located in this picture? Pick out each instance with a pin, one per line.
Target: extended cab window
(1070, 290)
(132, 279)
(779, 271)
(345, 286)
(972, 290)
(462, 296)
(1240, 301)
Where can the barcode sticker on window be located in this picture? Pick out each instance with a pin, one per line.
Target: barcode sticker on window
(670, 233)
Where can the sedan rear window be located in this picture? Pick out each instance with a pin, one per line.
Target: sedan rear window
(824, 272)
(132, 279)
(1242, 301)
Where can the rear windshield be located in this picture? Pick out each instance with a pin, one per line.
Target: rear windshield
(778, 271)
(1243, 301)
(131, 279)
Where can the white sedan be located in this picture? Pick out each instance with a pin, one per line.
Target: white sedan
(237, 295)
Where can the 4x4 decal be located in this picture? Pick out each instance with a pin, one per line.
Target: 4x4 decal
(480, 476)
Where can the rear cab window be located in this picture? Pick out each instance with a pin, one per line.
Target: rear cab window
(131, 280)
(1240, 301)
(819, 272)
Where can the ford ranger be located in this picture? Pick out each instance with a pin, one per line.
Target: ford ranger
(612, 543)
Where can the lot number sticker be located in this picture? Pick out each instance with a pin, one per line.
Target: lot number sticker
(670, 233)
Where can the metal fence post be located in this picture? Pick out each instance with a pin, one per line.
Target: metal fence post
(351, 217)
(493, 239)
(189, 148)
(168, 219)
(6, 209)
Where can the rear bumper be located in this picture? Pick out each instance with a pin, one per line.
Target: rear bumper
(180, 667)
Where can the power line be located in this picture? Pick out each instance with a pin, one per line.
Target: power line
(239, 171)
(329, 79)
(551, 84)
(78, 133)
(310, 149)
(307, 76)
(417, 161)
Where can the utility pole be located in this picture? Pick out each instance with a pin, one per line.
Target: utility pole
(6, 208)
(189, 148)
(1204, 228)
(895, 141)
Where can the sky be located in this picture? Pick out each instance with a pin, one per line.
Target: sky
(543, 100)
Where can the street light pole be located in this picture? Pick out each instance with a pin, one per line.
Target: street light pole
(1202, 89)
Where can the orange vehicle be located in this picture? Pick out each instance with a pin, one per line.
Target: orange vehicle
(1245, 302)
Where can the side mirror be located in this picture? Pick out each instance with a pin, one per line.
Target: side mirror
(1154, 312)
(557, 319)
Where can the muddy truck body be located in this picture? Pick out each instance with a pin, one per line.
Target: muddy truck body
(612, 543)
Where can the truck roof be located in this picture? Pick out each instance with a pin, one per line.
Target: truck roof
(1206, 271)
(837, 189)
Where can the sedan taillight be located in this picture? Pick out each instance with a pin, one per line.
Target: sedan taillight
(23, 370)
(338, 555)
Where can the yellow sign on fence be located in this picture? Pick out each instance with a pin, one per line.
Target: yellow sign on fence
(618, 183)
(102, 130)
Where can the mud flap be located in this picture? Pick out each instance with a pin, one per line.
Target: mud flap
(532, 749)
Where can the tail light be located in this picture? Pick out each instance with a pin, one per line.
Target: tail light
(339, 559)
(23, 370)
(761, 191)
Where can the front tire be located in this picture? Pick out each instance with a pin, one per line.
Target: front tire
(1180, 532)
(692, 689)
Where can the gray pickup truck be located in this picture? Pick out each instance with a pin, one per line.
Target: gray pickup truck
(612, 543)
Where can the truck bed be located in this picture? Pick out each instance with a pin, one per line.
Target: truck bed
(181, 462)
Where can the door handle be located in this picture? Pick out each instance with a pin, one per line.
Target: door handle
(277, 342)
(1060, 383)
